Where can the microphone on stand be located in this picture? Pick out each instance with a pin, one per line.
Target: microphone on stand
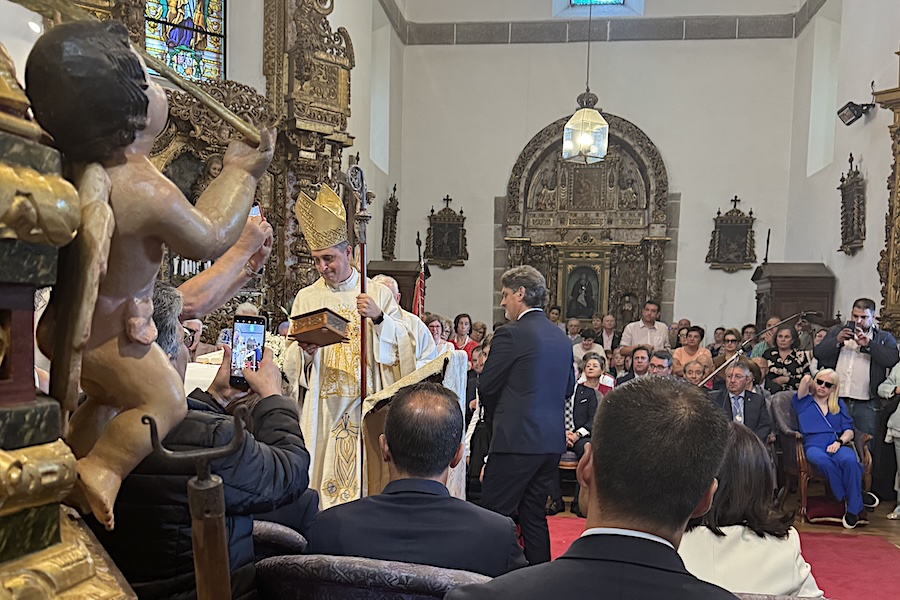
(812, 313)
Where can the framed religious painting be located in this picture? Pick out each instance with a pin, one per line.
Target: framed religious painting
(445, 245)
(583, 281)
(732, 246)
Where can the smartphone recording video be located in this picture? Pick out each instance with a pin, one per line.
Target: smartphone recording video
(248, 339)
(254, 210)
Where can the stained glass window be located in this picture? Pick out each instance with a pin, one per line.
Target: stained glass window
(188, 35)
(586, 2)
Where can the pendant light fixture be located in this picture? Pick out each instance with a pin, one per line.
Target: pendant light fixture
(586, 136)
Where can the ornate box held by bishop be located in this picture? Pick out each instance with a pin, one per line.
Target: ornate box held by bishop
(321, 327)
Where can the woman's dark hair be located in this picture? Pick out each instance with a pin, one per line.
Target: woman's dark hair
(745, 493)
(86, 88)
(697, 329)
(458, 318)
(795, 337)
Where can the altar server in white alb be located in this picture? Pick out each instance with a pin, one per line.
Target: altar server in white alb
(326, 379)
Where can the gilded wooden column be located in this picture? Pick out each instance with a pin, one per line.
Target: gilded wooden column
(889, 265)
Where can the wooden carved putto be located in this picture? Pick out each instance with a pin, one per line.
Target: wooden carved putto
(596, 232)
(389, 226)
(853, 210)
(445, 244)
(732, 245)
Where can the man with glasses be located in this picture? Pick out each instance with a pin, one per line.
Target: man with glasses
(193, 329)
(742, 405)
(660, 363)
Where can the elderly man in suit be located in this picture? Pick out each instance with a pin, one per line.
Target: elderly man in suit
(524, 387)
(415, 519)
(638, 502)
(742, 405)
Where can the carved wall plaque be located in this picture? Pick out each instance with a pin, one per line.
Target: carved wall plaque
(606, 221)
(853, 210)
(732, 246)
(445, 245)
(389, 226)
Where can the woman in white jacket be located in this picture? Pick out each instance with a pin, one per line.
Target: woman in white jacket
(743, 543)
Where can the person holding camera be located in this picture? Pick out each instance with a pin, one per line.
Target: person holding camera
(862, 355)
(269, 470)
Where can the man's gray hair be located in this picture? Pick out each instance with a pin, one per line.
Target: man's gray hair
(388, 282)
(531, 280)
(167, 305)
(246, 309)
(739, 364)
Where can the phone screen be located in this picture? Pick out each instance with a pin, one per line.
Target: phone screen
(254, 210)
(248, 339)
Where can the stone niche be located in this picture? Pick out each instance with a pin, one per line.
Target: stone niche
(598, 233)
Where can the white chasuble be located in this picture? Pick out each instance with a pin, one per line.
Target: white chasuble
(327, 383)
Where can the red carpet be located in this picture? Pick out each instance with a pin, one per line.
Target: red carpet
(846, 566)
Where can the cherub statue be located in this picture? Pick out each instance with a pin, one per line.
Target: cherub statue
(91, 91)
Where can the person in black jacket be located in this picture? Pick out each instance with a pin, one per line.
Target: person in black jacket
(524, 387)
(414, 519)
(651, 467)
(151, 543)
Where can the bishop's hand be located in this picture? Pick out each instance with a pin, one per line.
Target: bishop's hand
(367, 307)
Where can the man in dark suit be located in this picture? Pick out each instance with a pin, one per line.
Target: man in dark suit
(523, 388)
(415, 519)
(640, 365)
(740, 404)
(656, 447)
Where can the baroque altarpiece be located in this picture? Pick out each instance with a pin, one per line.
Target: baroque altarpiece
(597, 233)
(307, 68)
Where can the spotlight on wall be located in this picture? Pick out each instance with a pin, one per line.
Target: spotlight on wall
(851, 112)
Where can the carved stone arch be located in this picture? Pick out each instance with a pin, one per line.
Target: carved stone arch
(611, 218)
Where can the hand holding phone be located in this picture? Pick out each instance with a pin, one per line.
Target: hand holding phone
(248, 340)
(848, 332)
(255, 211)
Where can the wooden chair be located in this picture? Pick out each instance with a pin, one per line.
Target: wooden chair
(794, 458)
(319, 577)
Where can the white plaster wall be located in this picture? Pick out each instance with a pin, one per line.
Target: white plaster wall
(244, 47)
(361, 18)
(431, 11)
(719, 112)
(15, 33)
(868, 43)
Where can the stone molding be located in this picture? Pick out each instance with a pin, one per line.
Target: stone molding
(558, 31)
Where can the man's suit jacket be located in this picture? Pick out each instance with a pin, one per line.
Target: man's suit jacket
(882, 349)
(525, 384)
(584, 407)
(601, 566)
(418, 521)
(756, 415)
(616, 339)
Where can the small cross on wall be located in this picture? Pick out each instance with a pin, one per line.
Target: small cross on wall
(447, 200)
(735, 201)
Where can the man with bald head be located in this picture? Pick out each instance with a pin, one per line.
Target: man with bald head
(415, 519)
(419, 333)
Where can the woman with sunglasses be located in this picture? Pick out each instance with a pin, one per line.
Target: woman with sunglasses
(826, 426)
(731, 341)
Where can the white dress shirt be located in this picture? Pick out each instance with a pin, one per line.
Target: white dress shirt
(853, 369)
(638, 334)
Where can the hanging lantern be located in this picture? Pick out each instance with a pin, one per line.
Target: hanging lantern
(586, 136)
